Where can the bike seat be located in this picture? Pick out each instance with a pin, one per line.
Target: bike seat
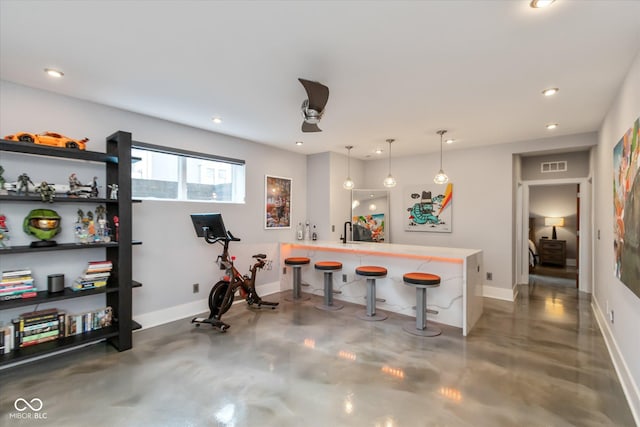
(261, 256)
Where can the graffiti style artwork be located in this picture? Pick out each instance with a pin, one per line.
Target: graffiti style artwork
(428, 208)
(626, 208)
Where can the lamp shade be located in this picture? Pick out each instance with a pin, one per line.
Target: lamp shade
(554, 221)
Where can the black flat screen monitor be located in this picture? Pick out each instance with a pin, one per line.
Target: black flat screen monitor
(213, 221)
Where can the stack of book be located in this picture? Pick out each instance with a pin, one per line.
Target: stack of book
(37, 327)
(95, 276)
(17, 284)
(89, 321)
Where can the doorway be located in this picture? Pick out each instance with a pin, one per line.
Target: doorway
(580, 216)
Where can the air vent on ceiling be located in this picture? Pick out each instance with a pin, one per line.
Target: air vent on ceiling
(548, 167)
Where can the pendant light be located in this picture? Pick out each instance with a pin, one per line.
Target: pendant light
(441, 177)
(389, 181)
(348, 183)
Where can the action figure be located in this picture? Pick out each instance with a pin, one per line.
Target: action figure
(114, 191)
(100, 212)
(94, 187)
(23, 184)
(47, 192)
(74, 183)
(116, 223)
(2, 181)
(4, 232)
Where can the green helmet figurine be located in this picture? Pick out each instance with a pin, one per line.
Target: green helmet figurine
(43, 224)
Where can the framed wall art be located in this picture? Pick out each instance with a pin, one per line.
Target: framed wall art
(277, 201)
(428, 208)
(626, 208)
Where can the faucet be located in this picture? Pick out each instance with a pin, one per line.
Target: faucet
(344, 239)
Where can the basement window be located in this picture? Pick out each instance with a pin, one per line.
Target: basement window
(173, 174)
(549, 167)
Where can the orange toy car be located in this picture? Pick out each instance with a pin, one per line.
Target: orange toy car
(49, 138)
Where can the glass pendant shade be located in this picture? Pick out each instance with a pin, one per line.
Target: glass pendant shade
(441, 177)
(348, 183)
(389, 181)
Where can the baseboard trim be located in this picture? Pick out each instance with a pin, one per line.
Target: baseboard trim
(629, 387)
(170, 314)
(499, 293)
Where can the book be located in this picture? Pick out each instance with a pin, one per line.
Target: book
(16, 273)
(35, 337)
(18, 296)
(39, 341)
(16, 279)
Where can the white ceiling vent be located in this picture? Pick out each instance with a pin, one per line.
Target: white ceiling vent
(548, 167)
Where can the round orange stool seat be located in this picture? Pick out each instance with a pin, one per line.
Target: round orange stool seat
(424, 279)
(371, 270)
(328, 267)
(300, 260)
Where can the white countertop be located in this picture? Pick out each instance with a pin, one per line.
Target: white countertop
(387, 249)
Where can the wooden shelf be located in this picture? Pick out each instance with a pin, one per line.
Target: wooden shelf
(44, 297)
(66, 153)
(21, 354)
(58, 247)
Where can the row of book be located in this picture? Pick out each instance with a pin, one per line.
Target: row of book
(95, 276)
(37, 327)
(17, 284)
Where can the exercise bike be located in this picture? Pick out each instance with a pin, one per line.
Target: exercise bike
(211, 227)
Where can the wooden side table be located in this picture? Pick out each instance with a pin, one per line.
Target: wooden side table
(553, 252)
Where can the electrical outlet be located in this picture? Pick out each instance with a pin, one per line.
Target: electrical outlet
(611, 318)
(196, 288)
(284, 270)
(489, 276)
(344, 278)
(267, 265)
(333, 228)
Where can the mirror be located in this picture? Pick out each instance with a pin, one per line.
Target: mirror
(370, 215)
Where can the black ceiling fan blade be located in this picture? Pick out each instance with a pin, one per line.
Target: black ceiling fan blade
(308, 127)
(317, 93)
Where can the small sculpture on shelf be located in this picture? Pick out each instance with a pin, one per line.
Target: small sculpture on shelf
(23, 184)
(113, 195)
(3, 191)
(4, 232)
(116, 224)
(47, 192)
(74, 184)
(43, 224)
(94, 187)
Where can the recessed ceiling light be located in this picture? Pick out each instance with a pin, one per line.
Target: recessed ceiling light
(539, 4)
(449, 141)
(54, 73)
(379, 150)
(550, 91)
(217, 120)
(551, 126)
(299, 143)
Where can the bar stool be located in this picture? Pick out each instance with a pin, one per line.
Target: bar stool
(328, 267)
(371, 272)
(296, 264)
(421, 281)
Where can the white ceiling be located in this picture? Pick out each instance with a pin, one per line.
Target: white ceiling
(395, 69)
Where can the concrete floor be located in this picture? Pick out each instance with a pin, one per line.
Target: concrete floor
(538, 362)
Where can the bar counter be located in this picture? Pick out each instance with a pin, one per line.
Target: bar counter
(458, 299)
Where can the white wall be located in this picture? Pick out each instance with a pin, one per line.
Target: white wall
(610, 294)
(171, 258)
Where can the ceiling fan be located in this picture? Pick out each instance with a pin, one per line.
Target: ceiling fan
(313, 106)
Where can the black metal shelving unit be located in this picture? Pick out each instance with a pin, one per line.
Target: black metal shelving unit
(118, 291)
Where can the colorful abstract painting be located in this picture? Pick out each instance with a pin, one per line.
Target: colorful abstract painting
(277, 200)
(368, 228)
(626, 208)
(428, 208)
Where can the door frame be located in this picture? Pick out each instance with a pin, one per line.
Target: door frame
(585, 281)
